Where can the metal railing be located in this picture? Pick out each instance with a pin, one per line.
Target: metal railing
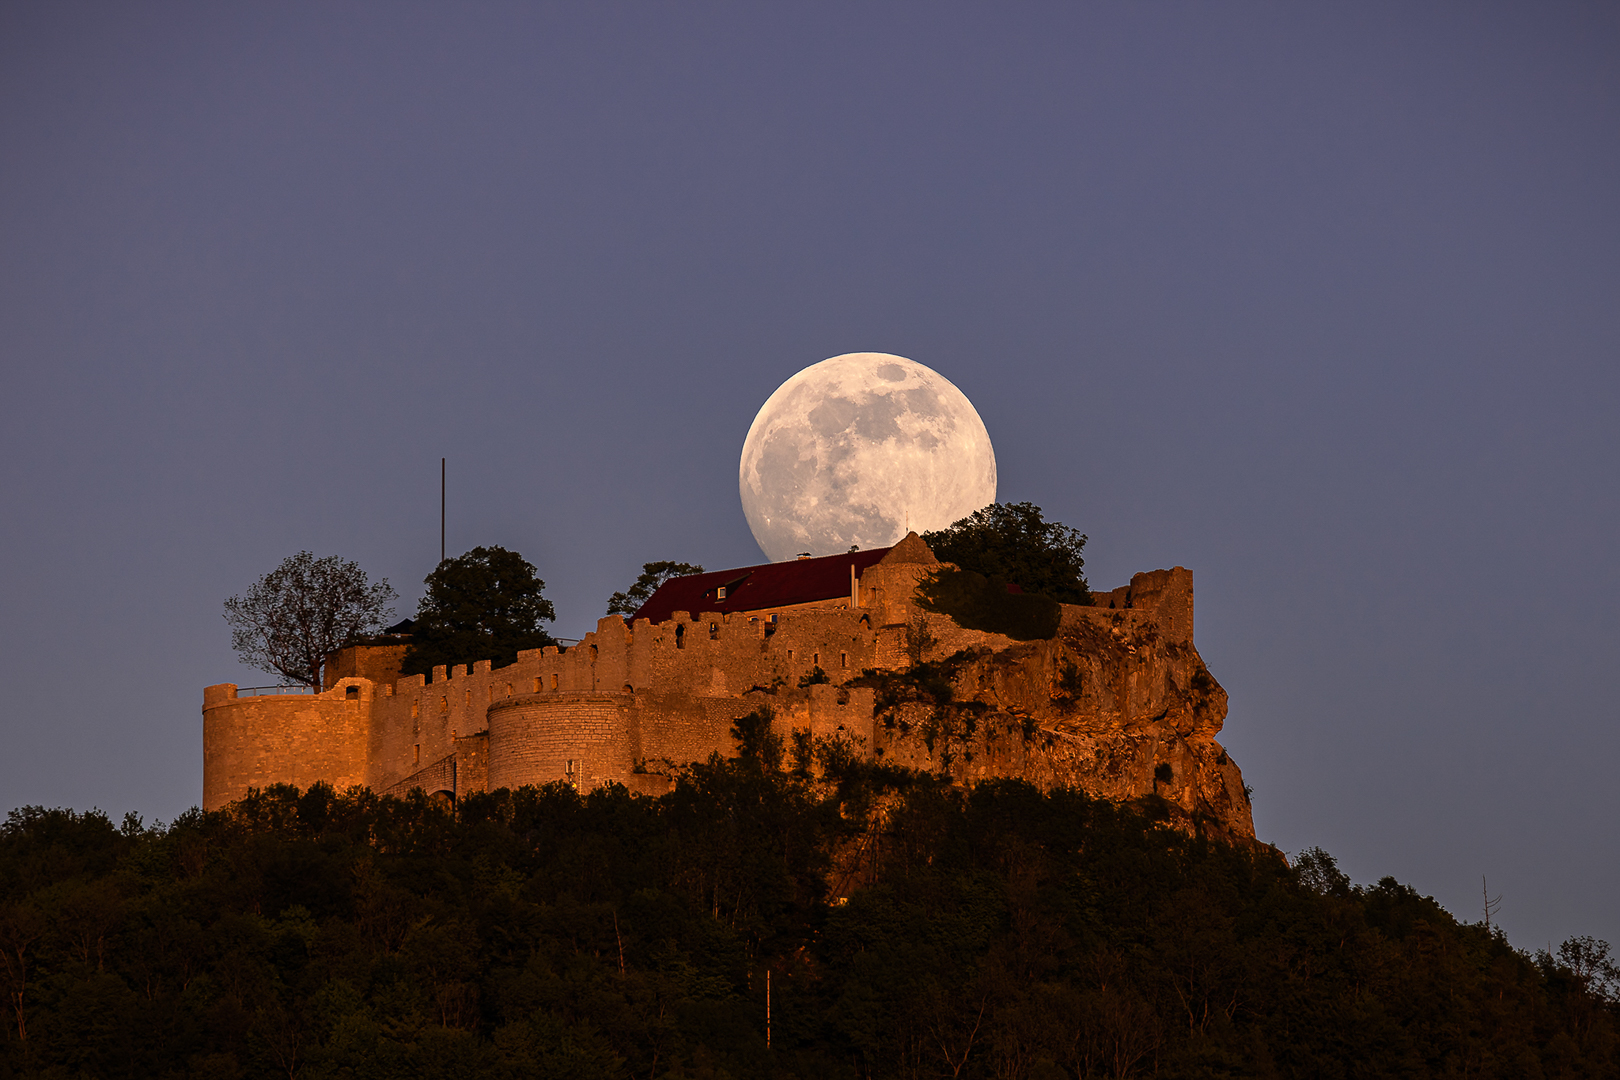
(260, 691)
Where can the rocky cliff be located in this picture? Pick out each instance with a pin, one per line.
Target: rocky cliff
(1117, 703)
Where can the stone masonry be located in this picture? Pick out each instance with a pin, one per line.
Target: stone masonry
(1118, 702)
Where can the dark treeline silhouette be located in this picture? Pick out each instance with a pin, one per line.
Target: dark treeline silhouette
(992, 933)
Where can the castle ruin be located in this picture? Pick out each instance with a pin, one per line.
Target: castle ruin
(1117, 702)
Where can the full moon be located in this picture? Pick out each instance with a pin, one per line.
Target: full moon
(857, 449)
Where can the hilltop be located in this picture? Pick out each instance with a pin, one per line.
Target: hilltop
(876, 922)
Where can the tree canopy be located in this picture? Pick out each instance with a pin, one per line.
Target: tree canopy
(1014, 543)
(980, 603)
(908, 928)
(485, 605)
(652, 575)
(302, 610)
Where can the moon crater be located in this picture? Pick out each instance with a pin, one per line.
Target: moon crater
(854, 450)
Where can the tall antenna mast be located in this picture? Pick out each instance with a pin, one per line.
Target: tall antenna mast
(441, 510)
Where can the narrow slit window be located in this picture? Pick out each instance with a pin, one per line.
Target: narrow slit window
(418, 758)
(843, 659)
(537, 684)
(554, 680)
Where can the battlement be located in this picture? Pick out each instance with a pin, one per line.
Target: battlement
(626, 703)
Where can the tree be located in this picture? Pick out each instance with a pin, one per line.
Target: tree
(653, 574)
(1014, 543)
(303, 609)
(485, 605)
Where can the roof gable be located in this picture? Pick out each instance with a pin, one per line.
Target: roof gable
(768, 585)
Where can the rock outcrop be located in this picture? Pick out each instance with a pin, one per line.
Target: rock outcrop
(1118, 703)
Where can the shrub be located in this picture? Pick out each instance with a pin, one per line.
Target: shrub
(976, 602)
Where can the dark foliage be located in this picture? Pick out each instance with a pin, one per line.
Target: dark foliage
(652, 575)
(980, 603)
(757, 745)
(303, 609)
(541, 933)
(485, 605)
(1013, 542)
(816, 677)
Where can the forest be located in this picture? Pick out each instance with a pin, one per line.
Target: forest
(757, 921)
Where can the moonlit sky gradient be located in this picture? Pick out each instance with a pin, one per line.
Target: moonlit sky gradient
(1319, 301)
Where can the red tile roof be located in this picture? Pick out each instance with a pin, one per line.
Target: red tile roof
(750, 588)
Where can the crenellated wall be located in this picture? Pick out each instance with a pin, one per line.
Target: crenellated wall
(630, 702)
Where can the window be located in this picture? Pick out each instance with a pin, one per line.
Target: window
(416, 709)
(469, 695)
(843, 659)
(714, 631)
(351, 692)
(508, 689)
(680, 635)
(444, 704)
(554, 680)
(815, 659)
(720, 593)
(418, 759)
(537, 684)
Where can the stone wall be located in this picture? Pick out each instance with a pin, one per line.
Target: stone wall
(438, 778)
(581, 737)
(630, 703)
(376, 663)
(253, 742)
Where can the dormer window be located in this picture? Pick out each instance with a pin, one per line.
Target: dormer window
(720, 593)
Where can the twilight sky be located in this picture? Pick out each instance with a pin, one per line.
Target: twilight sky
(1322, 303)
